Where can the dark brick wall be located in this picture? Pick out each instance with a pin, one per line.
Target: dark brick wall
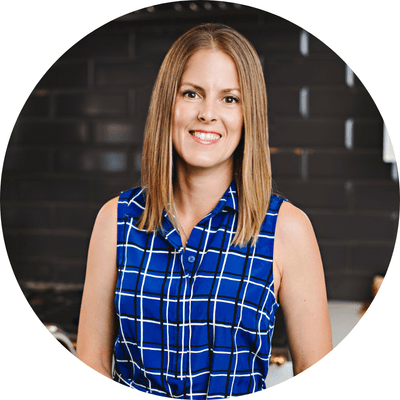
(77, 143)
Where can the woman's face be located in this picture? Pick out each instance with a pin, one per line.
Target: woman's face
(208, 114)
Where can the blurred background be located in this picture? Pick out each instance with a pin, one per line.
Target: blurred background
(77, 143)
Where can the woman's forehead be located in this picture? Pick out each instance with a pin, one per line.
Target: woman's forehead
(211, 65)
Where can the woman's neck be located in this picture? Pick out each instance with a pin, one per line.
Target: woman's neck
(197, 192)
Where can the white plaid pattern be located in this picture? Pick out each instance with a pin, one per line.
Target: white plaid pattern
(196, 323)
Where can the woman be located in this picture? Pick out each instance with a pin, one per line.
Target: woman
(195, 262)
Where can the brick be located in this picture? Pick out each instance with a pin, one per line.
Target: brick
(9, 187)
(101, 43)
(341, 101)
(107, 189)
(91, 161)
(27, 270)
(141, 104)
(299, 132)
(54, 189)
(348, 165)
(51, 271)
(26, 161)
(348, 287)
(334, 257)
(116, 132)
(133, 73)
(75, 217)
(25, 216)
(383, 196)
(313, 194)
(368, 133)
(11, 243)
(171, 21)
(50, 245)
(304, 71)
(154, 43)
(65, 75)
(65, 245)
(282, 100)
(278, 40)
(39, 133)
(92, 104)
(372, 259)
(352, 227)
(285, 164)
(36, 106)
(70, 273)
(137, 161)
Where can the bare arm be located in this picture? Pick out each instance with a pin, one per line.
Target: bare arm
(301, 288)
(97, 317)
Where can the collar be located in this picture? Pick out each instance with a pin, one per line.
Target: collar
(136, 206)
(228, 200)
(136, 203)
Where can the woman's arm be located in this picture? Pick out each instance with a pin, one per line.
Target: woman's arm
(96, 330)
(302, 293)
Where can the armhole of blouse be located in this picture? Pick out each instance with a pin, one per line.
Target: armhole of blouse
(281, 200)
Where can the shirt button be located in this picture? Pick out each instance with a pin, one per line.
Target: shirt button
(191, 259)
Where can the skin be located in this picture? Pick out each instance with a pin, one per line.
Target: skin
(96, 330)
(209, 100)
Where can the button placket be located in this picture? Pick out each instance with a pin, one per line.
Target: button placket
(190, 264)
(182, 313)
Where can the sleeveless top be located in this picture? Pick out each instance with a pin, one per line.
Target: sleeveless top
(196, 323)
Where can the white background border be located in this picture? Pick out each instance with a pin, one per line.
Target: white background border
(34, 34)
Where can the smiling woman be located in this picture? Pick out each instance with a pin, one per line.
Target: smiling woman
(208, 112)
(185, 274)
(206, 130)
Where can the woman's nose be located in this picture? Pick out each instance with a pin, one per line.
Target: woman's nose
(207, 112)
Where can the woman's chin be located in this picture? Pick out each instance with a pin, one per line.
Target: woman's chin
(206, 165)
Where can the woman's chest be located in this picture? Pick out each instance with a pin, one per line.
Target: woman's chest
(156, 278)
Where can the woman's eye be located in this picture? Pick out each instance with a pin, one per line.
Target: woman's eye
(190, 94)
(231, 99)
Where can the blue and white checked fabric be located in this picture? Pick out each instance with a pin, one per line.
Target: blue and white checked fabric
(196, 323)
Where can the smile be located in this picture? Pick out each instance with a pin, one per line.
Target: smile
(205, 136)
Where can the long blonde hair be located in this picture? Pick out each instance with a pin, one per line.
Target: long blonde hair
(252, 158)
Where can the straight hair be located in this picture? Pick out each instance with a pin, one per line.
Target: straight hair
(252, 166)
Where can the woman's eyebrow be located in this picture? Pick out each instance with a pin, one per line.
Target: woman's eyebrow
(230, 90)
(192, 85)
(201, 89)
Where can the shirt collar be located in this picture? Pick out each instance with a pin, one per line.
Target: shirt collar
(228, 200)
(136, 204)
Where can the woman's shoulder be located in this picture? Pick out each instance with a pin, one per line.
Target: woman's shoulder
(112, 208)
(294, 235)
(295, 248)
(107, 214)
(292, 222)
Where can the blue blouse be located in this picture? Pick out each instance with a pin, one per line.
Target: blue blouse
(196, 323)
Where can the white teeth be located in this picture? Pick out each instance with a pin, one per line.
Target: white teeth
(205, 136)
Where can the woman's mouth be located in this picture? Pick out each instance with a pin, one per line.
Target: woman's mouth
(205, 137)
